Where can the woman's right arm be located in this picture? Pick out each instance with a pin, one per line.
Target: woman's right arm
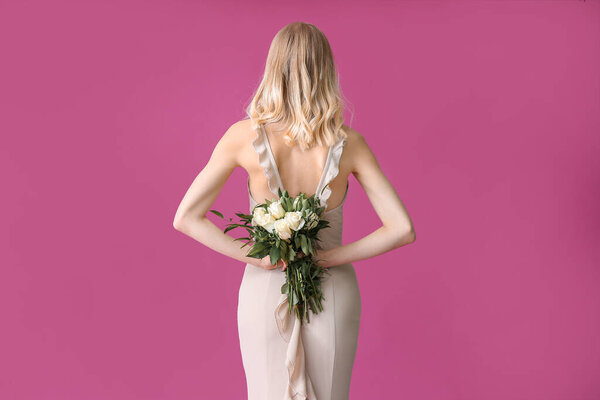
(397, 228)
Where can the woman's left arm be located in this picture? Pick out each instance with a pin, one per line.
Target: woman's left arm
(190, 217)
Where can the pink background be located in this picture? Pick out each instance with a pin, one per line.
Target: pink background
(484, 115)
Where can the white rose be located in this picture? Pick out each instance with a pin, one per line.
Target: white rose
(295, 220)
(261, 218)
(276, 209)
(271, 225)
(282, 227)
(257, 215)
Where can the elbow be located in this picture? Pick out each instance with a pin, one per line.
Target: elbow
(178, 223)
(185, 223)
(411, 236)
(406, 236)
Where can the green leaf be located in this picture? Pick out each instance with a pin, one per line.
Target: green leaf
(315, 273)
(217, 213)
(253, 252)
(245, 216)
(259, 246)
(305, 204)
(284, 288)
(304, 244)
(256, 249)
(274, 254)
(232, 226)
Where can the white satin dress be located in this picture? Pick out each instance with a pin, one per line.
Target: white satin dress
(282, 359)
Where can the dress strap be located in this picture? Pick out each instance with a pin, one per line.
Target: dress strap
(332, 168)
(266, 159)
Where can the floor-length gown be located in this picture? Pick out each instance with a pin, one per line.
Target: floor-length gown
(282, 359)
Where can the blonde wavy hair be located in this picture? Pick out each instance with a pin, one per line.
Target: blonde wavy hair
(300, 88)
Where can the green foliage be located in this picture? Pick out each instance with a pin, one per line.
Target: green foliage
(217, 213)
(303, 274)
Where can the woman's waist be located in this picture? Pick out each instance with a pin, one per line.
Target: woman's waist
(279, 272)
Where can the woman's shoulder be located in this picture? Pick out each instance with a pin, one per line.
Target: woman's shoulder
(244, 129)
(243, 126)
(242, 133)
(352, 135)
(238, 135)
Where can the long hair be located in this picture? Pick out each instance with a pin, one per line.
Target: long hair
(300, 88)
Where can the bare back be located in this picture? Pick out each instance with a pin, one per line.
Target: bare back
(298, 170)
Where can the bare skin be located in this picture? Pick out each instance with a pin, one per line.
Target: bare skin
(234, 149)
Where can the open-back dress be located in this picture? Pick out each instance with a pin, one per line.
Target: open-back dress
(282, 359)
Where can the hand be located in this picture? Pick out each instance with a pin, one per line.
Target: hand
(265, 263)
(320, 255)
(321, 258)
(298, 255)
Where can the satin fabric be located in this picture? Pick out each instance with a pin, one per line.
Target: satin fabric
(282, 359)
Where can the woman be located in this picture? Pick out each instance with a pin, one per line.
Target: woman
(294, 138)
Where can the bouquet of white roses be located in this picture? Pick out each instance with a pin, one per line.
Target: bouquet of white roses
(282, 229)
